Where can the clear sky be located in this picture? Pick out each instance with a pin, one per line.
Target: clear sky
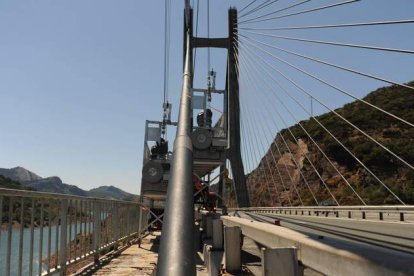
(79, 78)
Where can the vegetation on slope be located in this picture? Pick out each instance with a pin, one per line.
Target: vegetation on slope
(390, 132)
(7, 183)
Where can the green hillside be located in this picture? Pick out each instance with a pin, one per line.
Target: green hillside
(392, 133)
(7, 183)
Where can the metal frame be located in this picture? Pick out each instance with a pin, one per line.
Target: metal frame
(146, 139)
(224, 116)
(73, 219)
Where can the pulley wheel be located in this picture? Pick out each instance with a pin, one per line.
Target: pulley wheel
(152, 172)
(201, 138)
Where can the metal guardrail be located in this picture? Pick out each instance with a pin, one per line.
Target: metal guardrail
(382, 213)
(336, 258)
(44, 233)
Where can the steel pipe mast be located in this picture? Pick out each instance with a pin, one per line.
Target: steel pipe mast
(176, 254)
(177, 250)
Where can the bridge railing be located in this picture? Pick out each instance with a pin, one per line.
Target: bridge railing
(381, 213)
(44, 233)
(331, 257)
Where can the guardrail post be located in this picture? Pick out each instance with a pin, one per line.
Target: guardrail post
(209, 226)
(232, 249)
(139, 226)
(128, 227)
(214, 261)
(1, 222)
(96, 230)
(280, 262)
(197, 238)
(115, 223)
(146, 219)
(20, 267)
(63, 236)
(217, 234)
(205, 254)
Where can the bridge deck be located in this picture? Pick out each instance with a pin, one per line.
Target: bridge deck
(142, 260)
(132, 261)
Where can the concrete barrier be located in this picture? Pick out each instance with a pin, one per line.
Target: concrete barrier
(337, 258)
(232, 249)
(217, 234)
(280, 262)
(215, 258)
(209, 226)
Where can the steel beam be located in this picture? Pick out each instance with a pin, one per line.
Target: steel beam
(203, 42)
(234, 152)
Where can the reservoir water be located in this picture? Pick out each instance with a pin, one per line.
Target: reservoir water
(26, 248)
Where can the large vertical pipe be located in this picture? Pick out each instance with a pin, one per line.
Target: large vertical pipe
(176, 255)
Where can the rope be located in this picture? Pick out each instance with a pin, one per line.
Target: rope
(360, 24)
(339, 142)
(264, 5)
(167, 16)
(274, 159)
(253, 20)
(280, 10)
(331, 64)
(284, 141)
(271, 87)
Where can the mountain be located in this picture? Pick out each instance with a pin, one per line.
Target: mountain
(286, 177)
(19, 174)
(113, 193)
(54, 184)
(20, 178)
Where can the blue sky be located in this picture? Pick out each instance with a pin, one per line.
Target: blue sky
(78, 78)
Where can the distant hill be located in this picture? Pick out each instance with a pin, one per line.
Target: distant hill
(54, 184)
(19, 174)
(21, 178)
(395, 135)
(112, 192)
